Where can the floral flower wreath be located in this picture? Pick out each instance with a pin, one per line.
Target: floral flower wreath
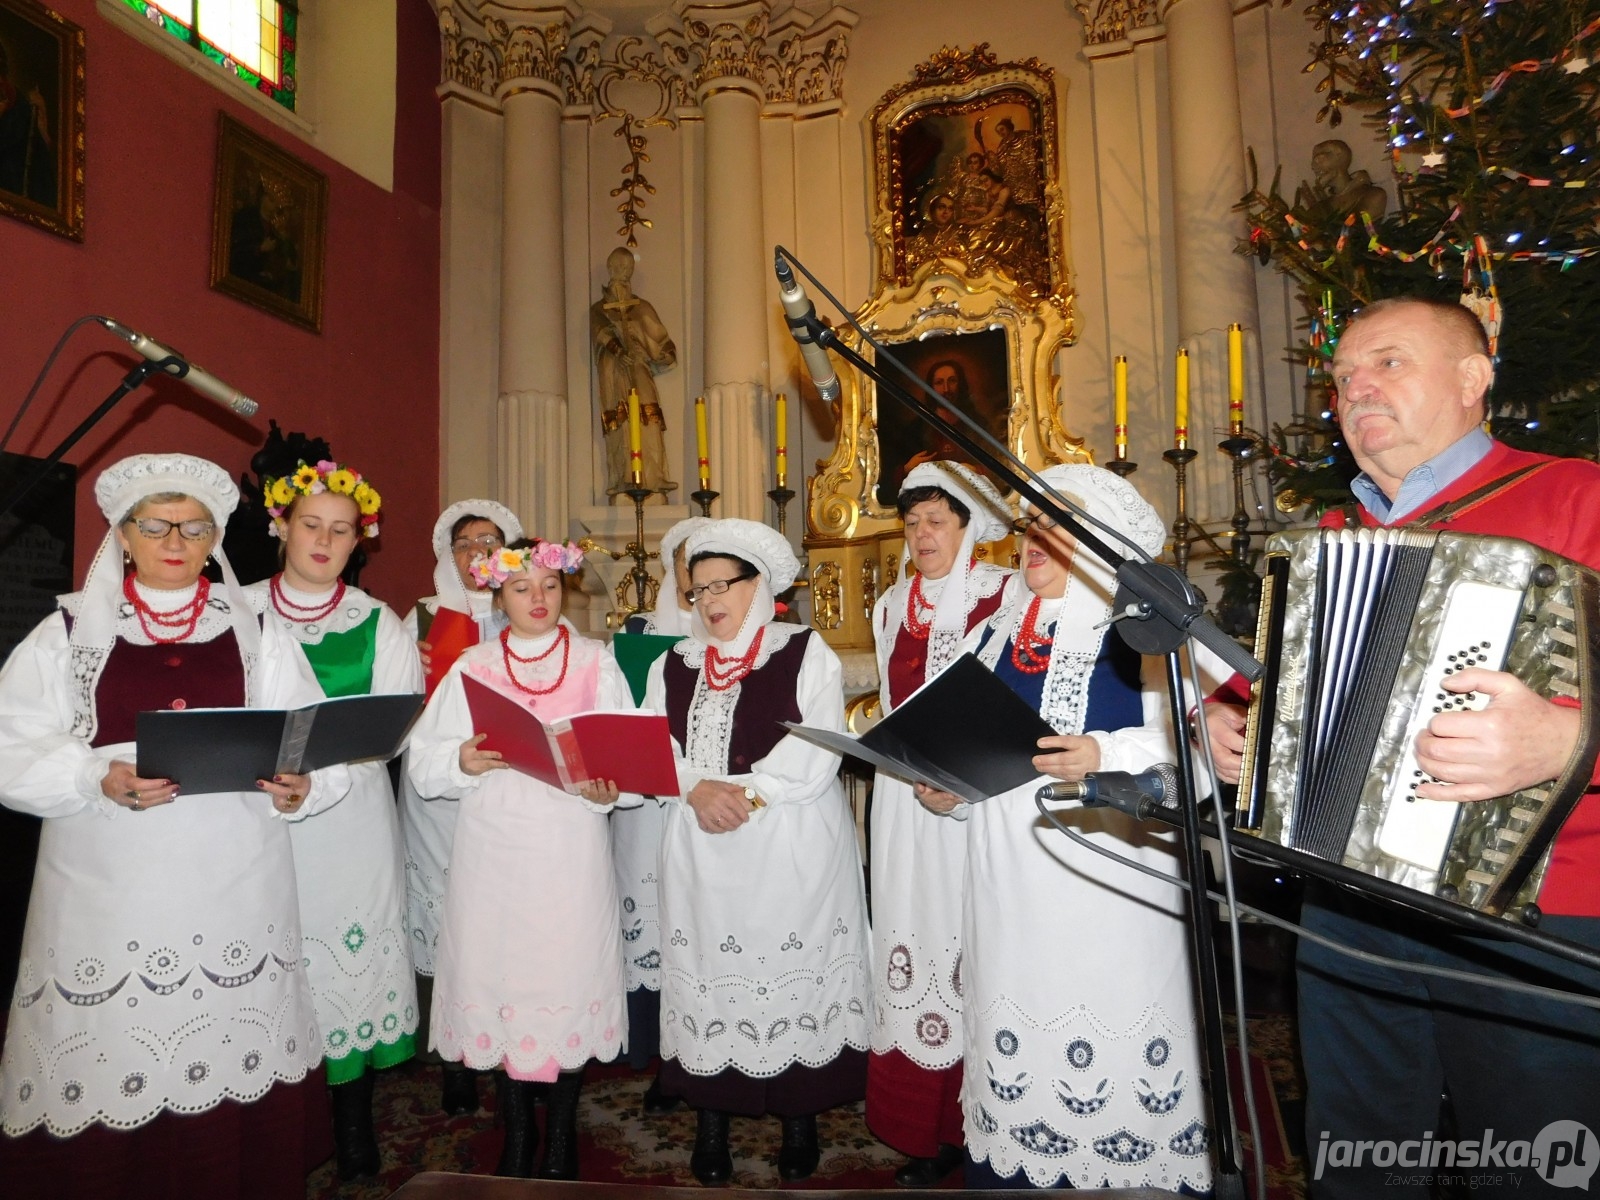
(325, 476)
(492, 570)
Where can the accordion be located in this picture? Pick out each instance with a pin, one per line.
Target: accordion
(1358, 629)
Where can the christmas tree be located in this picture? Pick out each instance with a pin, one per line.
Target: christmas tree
(1490, 115)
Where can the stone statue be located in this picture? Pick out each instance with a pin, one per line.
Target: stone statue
(1346, 190)
(631, 347)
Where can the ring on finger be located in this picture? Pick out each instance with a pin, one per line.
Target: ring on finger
(132, 793)
(136, 806)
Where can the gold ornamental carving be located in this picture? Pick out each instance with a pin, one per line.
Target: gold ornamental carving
(827, 598)
(794, 58)
(1112, 20)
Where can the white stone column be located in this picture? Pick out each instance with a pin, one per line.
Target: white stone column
(533, 328)
(736, 295)
(1215, 285)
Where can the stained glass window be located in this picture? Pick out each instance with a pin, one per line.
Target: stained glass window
(253, 39)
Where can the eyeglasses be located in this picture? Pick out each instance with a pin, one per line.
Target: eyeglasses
(484, 541)
(716, 587)
(1025, 525)
(158, 527)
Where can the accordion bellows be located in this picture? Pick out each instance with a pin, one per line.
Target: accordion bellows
(1358, 629)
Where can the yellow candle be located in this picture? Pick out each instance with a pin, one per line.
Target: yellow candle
(1120, 416)
(1236, 377)
(702, 444)
(1181, 395)
(635, 440)
(782, 419)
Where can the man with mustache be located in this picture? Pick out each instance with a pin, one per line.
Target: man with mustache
(1381, 1045)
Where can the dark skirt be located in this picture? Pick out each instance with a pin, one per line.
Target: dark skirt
(644, 1027)
(797, 1091)
(259, 1151)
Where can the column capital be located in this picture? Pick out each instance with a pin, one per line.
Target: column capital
(497, 48)
(1115, 20)
(794, 58)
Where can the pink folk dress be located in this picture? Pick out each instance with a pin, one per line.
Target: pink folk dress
(529, 966)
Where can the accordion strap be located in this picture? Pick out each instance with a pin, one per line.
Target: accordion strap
(1443, 514)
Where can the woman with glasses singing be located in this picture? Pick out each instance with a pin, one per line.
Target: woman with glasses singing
(161, 966)
(1081, 1055)
(464, 531)
(764, 957)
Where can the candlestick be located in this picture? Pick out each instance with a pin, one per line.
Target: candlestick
(635, 440)
(1236, 378)
(702, 444)
(643, 584)
(782, 420)
(1119, 430)
(1181, 398)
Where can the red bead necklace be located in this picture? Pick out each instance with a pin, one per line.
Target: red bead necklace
(723, 673)
(916, 604)
(180, 622)
(1030, 650)
(304, 614)
(509, 656)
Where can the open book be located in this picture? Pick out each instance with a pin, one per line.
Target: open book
(964, 731)
(228, 749)
(631, 749)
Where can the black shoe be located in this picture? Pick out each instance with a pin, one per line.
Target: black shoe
(711, 1162)
(799, 1155)
(655, 1102)
(929, 1172)
(458, 1093)
(355, 1145)
(561, 1127)
(522, 1132)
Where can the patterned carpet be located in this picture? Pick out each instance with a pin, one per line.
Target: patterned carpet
(621, 1144)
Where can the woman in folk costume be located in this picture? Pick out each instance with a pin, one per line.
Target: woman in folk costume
(636, 837)
(1082, 1054)
(530, 959)
(764, 971)
(161, 1025)
(348, 862)
(919, 859)
(465, 530)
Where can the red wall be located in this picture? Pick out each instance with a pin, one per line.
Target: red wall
(369, 383)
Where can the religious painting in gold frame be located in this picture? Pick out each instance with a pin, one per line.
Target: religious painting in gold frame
(965, 160)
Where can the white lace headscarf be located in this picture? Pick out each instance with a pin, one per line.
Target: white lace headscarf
(989, 521)
(669, 619)
(448, 589)
(118, 491)
(1081, 613)
(768, 551)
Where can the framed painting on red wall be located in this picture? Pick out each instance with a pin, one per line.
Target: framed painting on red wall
(41, 118)
(268, 225)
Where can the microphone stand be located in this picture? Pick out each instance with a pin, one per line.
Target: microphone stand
(175, 367)
(1155, 612)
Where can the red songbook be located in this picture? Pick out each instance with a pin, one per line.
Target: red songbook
(631, 749)
(450, 633)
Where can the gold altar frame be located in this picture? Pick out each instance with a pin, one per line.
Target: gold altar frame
(852, 539)
(970, 85)
(941, 299)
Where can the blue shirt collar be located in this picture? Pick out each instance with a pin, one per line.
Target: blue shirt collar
(1425, 481)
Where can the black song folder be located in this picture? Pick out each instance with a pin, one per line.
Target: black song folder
(964, 731)
(228, 749)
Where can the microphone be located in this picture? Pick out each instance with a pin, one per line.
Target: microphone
(801, 316)
(192, 373)
(1137, 795)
